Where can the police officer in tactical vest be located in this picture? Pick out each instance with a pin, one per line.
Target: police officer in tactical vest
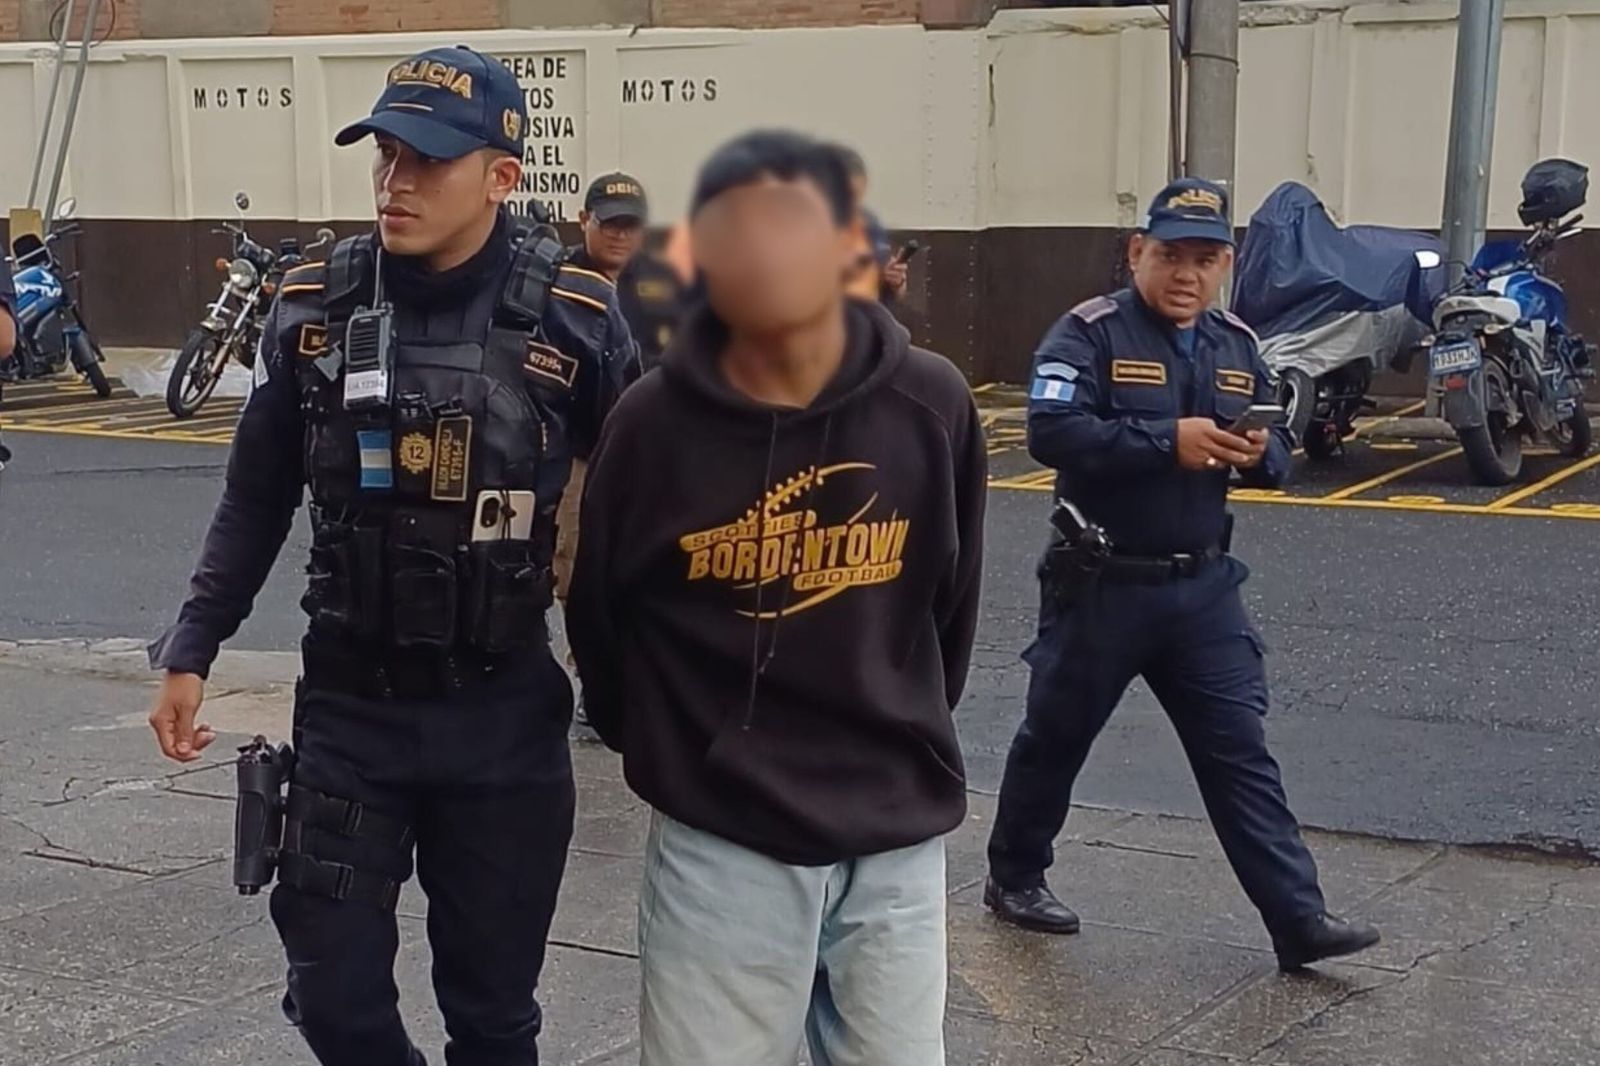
(428, 384)
(1142, 401)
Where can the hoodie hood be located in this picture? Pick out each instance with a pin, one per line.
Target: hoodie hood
(875, 347)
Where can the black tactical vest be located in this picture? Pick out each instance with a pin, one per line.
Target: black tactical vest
(397, 491)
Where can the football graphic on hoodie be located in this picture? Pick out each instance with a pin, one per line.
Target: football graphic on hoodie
(783, 540)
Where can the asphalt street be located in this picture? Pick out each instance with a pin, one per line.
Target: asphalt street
(1435, 673)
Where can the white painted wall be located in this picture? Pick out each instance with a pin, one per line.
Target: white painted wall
(1043, 118)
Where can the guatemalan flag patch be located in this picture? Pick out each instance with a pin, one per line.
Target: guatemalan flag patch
(1055, 381)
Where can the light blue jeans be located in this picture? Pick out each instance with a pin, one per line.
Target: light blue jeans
(743, 957)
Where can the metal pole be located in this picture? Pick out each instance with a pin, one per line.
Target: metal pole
(1177, 12)
(72, 109)
(1491, 96)
(50, 106)
(1213, 30)
(1466, 179)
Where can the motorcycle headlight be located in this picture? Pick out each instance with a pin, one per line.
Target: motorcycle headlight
(242, 274)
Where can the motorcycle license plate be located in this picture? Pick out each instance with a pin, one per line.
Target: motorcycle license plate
(1454, 358)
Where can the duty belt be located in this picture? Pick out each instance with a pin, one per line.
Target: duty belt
(405, 676)
(1156, 569)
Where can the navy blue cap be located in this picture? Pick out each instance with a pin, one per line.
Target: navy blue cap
(446, 102)
(616, 196)
(1190, 209)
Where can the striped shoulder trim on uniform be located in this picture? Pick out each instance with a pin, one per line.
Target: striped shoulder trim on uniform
(1240, 324)
(568, 268)
(585, 287)
(580, 298)
(1094, 310)
(307, 277)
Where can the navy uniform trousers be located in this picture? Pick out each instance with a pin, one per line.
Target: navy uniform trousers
(485, 778)
(1193, 643)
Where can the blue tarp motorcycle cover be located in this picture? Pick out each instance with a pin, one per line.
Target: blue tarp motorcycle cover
(1297, 267)
(1321, 296)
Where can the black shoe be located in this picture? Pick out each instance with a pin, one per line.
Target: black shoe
(1034, 908)
(1322, 936)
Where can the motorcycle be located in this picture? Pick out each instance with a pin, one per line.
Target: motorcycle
(1504, 368)
(1331, 304)
(51, 331)
(231, 329)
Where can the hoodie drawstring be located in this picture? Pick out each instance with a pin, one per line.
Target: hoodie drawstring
(761, 540)
(758, 661)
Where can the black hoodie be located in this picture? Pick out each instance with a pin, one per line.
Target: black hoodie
(806, 716)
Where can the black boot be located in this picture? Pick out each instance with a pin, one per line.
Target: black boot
(1034, 908)
(1321, 936)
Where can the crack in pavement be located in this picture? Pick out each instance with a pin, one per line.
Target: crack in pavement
(26, 828)
(1400, 977)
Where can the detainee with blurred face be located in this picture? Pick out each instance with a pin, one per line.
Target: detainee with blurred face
(773, 615)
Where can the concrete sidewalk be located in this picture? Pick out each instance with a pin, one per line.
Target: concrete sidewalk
(122, 942)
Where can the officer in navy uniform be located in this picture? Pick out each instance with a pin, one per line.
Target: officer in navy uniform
(1131, 402)
(428, 383)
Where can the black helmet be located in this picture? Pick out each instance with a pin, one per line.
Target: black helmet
(1551, 190)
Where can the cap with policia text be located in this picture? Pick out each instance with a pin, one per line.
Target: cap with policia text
(447, 102)
(612, 196)
(1190, 209)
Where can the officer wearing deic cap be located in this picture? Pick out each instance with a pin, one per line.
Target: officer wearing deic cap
(1132, 400)
(616, 213)
(428, 383)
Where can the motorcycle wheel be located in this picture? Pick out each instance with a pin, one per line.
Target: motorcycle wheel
(1493, 451)
(193, 377)
(1575, 436)
(1297, 394)
(86, 357)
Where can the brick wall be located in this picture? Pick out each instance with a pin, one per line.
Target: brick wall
(119, 18)
(383, 16)
(753, 13)
(29, 20)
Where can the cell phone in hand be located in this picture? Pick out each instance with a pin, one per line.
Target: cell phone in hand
(907, 250)
(1257, 416)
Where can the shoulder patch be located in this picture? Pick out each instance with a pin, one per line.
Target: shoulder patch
(1239, 324)
(1094, 310)
(307, 277)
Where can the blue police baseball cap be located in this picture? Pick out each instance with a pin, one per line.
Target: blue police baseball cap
(447, 102)
(1190, 209)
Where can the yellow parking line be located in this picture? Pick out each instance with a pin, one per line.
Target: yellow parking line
(1033, 479)
(156, 419)
(1580, 511)
(1434, 508)
(111, 406)
(109, 434)
(1537, 487)
(1393, 475)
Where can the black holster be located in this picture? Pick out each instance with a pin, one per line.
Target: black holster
(258, 813)
(1069, 574)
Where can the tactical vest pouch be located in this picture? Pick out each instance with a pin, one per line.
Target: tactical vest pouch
(509, 594)
(344, 590)
(422, 580)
